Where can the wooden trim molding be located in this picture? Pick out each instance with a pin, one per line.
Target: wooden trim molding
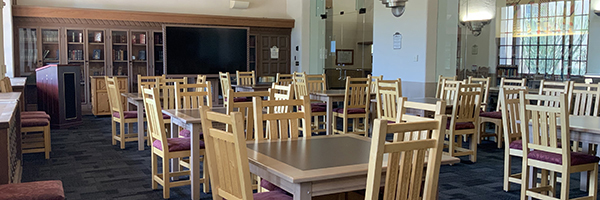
(98, 14)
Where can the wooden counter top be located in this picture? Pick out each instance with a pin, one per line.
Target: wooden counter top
(7, 109)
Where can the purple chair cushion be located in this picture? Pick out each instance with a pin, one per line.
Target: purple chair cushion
(165, 116)
(46, 190)
(273, 195)
(350, 110)
(35, 116)
(269, 186)
(240, 99)
(517, 144)
(34, 122)
(33, 113)
(576, 157)
(461, 125)
(175, 144)
(495, 115)
(127, 114)
(319, 104)
(187, 134)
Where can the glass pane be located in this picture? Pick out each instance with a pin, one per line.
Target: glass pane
(28, 51)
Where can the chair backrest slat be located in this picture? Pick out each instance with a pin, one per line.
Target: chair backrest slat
(245, 78)
(316, 82)
(167, 90)
(244, 107)
(485, 83)
(201, 79)
(191, 96)
(281, 92)
(449, 89)
(282, 125)
(387, 94)
(284, 79)
(114, 96)
(465, 107)
(423, 142)
(373, 79)
(5, 85)
(148, 81)
(227, 156)
(585, 99)
(300, 85)
(509, 100)
(441, 79)
(156, 130)
(551, 88)
(358, 93)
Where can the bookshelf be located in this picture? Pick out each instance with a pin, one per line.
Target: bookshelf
(252, 49)
(50, 46)
(139, 56)
(506, 71)
(158, 54)
(75, 39)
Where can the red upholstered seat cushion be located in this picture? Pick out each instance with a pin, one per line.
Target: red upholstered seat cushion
(187, 134)
(176, 144)
(269, 186)
(273, 195)
(165, 116)
(127, 114)
(319, 104)
(35, 116)
(240, 99)
(576, 157)
(33, 113)
(34, 122)
(461, 125)
(350, 110)
(46, 190)
(495, 115)
(517, 144)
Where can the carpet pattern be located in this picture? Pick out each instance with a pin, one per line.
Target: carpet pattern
(91, 168)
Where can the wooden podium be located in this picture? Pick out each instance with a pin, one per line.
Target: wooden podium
(59, 94)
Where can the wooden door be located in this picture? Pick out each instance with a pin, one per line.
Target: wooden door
(270, 66)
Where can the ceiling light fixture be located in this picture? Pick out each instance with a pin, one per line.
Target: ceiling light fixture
(475, 14)
(397, 6)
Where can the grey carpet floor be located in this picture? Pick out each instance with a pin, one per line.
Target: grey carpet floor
(91, 168)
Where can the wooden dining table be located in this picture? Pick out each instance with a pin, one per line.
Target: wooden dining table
(330, 96)
(137, 100)
(585, 129)
(316, 166)
(261, 86)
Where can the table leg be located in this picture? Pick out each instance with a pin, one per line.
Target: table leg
(329, 117)
(583, 181)
(140, 125)
(174, 162)
(303, 191)
(195, 160)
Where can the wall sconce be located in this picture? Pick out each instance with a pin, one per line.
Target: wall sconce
(475, 14)
(397, 6)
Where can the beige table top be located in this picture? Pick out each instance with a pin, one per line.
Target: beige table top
(319, 158)
(190, 115)
(586, 124)
(6, 113)
(133, 96)
(10, 96)
(18, 81)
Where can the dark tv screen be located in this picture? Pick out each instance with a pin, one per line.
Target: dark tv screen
(205, 50)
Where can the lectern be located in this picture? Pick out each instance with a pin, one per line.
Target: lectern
(59, 94)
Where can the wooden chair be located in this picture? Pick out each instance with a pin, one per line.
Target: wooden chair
(35, 134)
(148, 81)
(542, 150)
(585, 102)
(387, 94)
(245, 78)
(227, 159)
(299, 75)
(509, 101)
(5, 85)
(464, 120)
(119, 115)
(244, 107)
(403, 104)
(316, 82)
(281, 92)
(201, 79)
(284, 79)
(441, 79)
(373, 79)
(421, 141)
(162, 146)
(193, 96)
(495, 117)
(167, 90)
(550, 88)
(356, 106)
(485, 82)
(449, 89)
(281, 124)
(318, 109)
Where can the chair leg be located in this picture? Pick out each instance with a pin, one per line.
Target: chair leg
(544, 180)
(451, 144)
(593, 182)
(205, 176)
(473, 157)
(345, 125)
(499, 137)
(564, 190)
(552, 184)
(507, 159)
(333, 125)
(114, 132)
(166, 178)
(524, 179)
(153, 159)
(122, 134)
(47, 143)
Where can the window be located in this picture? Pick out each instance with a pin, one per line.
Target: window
(548, 37)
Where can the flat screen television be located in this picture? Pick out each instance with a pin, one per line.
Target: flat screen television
(205, 50)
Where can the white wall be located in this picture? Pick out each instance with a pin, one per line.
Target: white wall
(415, 63)
(7, 27)
(258, 8)
(298, 11)
(594, 39)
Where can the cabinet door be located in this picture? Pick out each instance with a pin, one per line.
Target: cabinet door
(27, 51)
(102, 106)
(51, 53)
(76, 54)
(157, 55)
(271, 66)
(119, 52)
(139, 56)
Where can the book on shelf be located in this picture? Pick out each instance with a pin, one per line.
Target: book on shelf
(142, 55)
(142, 38)
(96, 55)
